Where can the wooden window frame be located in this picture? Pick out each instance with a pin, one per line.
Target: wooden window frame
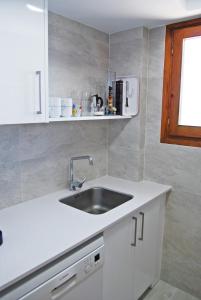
(171, 131)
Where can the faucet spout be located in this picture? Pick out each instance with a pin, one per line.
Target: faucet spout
(91, 161)
(75, 183)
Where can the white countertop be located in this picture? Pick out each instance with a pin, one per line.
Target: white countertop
(40, 230)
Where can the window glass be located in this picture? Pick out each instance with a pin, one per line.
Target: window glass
(190, 91)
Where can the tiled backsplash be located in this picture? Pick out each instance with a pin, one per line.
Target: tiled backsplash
(34, 159)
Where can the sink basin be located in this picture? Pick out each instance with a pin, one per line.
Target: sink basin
(96, 200)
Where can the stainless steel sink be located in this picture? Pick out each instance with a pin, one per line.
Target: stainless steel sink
(96, 200)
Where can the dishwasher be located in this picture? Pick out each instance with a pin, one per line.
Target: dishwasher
(77, 276)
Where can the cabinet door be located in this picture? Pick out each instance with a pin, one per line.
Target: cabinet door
(118, 270)
(23, 61)
(146, 250)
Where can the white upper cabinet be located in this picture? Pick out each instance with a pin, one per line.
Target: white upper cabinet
(23, 61)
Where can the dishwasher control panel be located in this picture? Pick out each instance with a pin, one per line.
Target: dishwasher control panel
(89, 263)
(93, 261)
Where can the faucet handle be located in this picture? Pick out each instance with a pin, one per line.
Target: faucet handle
(78, 184)
(82, 182)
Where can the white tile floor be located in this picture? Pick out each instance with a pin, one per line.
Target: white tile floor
(164, 291)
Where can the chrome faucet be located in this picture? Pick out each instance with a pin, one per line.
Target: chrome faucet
(75, 183)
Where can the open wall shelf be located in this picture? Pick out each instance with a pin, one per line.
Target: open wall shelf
(89, 118)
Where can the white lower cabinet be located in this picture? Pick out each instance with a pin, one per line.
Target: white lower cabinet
(133, 249)
(117, 271)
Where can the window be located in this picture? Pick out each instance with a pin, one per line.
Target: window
(181, 112)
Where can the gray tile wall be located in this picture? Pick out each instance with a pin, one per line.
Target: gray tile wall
(130, 150)
(178, 166)
(34, 159)
(78, 58)
(128, 56)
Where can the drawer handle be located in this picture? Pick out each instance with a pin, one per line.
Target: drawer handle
(39, 112)
(135, 232)
(142, 230)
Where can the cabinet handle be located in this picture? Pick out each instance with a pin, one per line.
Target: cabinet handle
(39, 112)
(142, 231)
(135, 232)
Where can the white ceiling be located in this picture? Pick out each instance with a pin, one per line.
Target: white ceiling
(117, 15)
